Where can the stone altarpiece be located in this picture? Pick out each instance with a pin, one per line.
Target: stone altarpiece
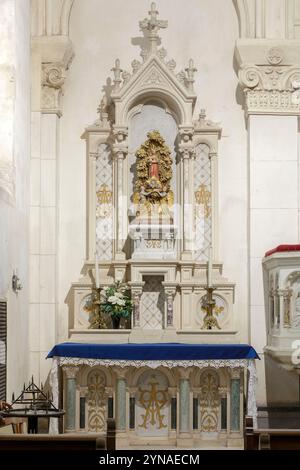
(152, 219)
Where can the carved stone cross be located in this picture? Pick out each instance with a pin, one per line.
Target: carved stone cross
(152, 25)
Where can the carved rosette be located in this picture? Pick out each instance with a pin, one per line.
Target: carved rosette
(53, 78)
(271, 87)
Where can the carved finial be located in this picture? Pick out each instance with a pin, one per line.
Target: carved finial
(126, 77)
(117, 73)
(152, 26)
(202, 116)
(190, 70)
(136, 65)
(103, 111)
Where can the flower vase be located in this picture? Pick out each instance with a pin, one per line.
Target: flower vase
(116, 322)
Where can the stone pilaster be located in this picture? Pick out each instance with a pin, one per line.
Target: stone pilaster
(269, 72)
(51, 57)
(170, 291)
(136, 292)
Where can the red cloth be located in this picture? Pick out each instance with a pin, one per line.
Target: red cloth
(281, 248)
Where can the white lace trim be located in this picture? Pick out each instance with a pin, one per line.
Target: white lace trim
(252, 381)
(77, 361)
(53, 427)
(218, 363)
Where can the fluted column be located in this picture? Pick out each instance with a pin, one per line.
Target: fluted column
(70, 417)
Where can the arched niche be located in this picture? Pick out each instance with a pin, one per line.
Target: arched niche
(145, 117)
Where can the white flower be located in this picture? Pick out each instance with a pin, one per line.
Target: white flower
(119, 294)
(113, 299)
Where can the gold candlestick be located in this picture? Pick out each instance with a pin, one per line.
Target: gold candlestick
(97, 321)
(210, 321)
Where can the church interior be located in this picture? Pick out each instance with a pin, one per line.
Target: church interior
(150, 222)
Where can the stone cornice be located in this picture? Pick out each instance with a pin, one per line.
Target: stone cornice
(269, 74)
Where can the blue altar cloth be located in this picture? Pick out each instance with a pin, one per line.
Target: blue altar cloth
(155, 351)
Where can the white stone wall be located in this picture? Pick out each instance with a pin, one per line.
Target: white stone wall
(14, 179)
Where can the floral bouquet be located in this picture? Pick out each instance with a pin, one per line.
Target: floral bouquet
(116, 301)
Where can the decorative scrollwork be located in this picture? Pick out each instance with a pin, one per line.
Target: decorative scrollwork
(54, 75)
(96, 401)
(250, 76)
(209, 401)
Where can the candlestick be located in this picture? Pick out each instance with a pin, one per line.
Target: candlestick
(209, 268)
(97, 271)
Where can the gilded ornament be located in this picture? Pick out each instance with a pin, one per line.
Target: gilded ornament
(202, 196)
(153, 192)
(104, 196)
(153, 401)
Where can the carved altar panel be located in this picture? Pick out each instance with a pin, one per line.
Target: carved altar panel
(96, 401)
(152, 405)
(152, 303)
(209, 401)
(104, 203)
(202, 203)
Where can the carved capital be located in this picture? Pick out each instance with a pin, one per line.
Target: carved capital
(184, 373)
(186, 151)
(53, 78)
(269, 76)
(84, 391)
(120, 134)
(120, 372)
(222, 392)
(120, 150)
(235, 373)
(70, 371)
(272, 87)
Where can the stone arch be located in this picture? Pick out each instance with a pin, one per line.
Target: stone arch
(139, 372)
(245, 10)
(51, 17)
(163, 96)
